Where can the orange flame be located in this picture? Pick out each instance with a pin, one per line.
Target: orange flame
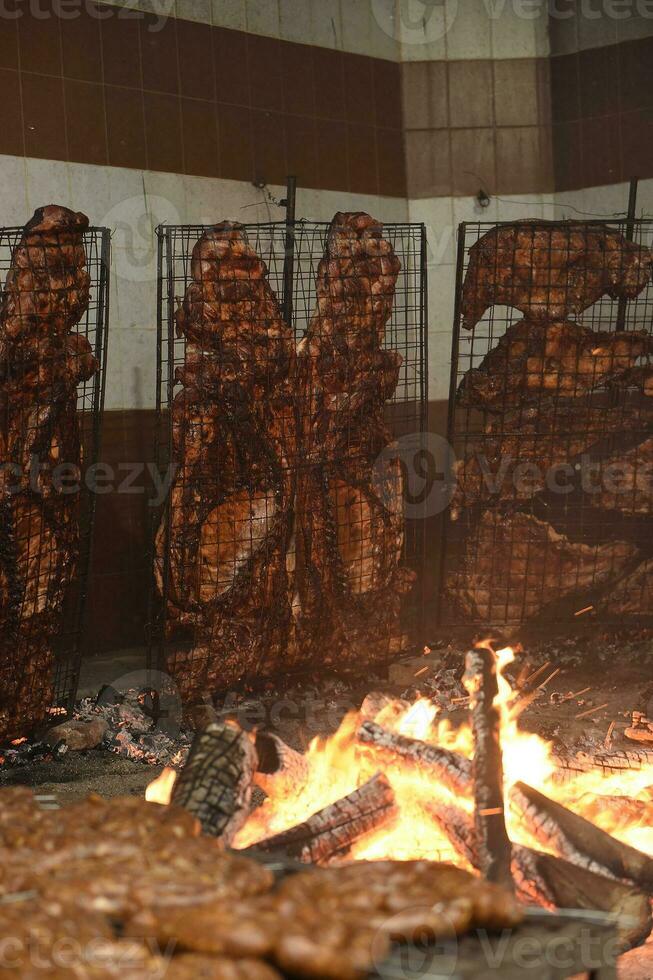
(338, 765)
(160, 789)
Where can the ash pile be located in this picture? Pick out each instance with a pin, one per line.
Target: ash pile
(138, 724)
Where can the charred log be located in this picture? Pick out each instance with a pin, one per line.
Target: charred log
(554, 883)
(578, 840)
(449, 768)
(492, 843)
(330, 832)
(278, 762)
(609, 763)
(215, 784)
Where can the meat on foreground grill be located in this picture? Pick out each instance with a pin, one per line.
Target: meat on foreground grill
(515, 565)
(538, 358)
(284, 540)
(127, 880)
(42, 360)
(549, 270)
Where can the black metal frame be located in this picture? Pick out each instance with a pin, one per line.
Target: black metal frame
(467, 434)
(295, 266)
(93, 325)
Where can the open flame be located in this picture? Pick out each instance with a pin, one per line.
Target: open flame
(338, 765)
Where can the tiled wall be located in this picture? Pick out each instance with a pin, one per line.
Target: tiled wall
(602, 95)
(357, 26)
(130, 91)
(477, 123)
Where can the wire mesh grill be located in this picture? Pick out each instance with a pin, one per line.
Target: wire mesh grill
(552, 425)
(53, 328)
(277, 514)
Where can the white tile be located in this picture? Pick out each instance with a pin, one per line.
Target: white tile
(563, 31)
(422, 30)
(611, 201)
(133, 289)
(166, 196)
(518, 32)
(356, 17)
(295, 21)
(133, 281)
(263, 17)
(645, 198)
(385, 34)
(48, 182)
(90, 191)
(197, 10)
(114, 397)
(14, 206)
(468, 209)
(468, 30)
(437, 214)
(326, 25)
(229, 13)
(522, 206)
(439, 344)
(638, 23)
(131, 369)
(133, 217)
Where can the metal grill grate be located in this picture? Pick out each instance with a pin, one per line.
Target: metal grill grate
(52, 394)
(551, 420)
(263, 397)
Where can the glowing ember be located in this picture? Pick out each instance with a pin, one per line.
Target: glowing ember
(338, 765)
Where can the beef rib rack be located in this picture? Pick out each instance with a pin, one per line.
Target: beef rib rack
(535, 358)
(550, 270)
(282, 544)
(516, 565)
(223, 549)
(350, 520)
(42, 361)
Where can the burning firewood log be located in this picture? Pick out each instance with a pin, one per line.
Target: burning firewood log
(330, 832)
(620, 760)
(445, 766)
(278, 762)
(554, 883)
(492, 842)
(215, 785)
(578, 840)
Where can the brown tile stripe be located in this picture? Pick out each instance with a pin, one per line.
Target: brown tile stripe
(602, 112)
(196, 99)
(529, 125)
